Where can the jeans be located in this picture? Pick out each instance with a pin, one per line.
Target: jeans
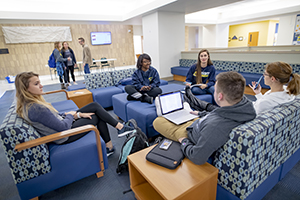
(208, 90)
(86, 69)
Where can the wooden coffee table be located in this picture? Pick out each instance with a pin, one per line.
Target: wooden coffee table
(187, 181)
(80, 97)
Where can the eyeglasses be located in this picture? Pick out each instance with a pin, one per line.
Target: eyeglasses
(147, 62)
(265, 74)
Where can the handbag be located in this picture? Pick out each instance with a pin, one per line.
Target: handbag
(170, 158)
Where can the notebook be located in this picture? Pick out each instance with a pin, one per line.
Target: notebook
(172, 108)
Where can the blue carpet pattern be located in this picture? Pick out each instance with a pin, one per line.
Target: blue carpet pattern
(112, 185)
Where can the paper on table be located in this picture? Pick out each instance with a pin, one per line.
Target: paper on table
(78, 92)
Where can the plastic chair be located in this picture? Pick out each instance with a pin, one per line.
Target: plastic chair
(104, 63)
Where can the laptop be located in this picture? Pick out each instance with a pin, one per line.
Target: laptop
(172, 108)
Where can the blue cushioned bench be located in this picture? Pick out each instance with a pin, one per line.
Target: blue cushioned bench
(145, 113)
(251, 71)
(104, 85)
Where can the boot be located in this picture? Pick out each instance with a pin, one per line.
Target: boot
(194, 102)
(62, 86)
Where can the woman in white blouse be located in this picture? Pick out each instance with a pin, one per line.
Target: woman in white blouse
(276, 75)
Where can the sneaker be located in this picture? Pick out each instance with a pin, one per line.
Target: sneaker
(110, 152)
(147, 99)
(125, 130)
(69, 84)
(74, 83)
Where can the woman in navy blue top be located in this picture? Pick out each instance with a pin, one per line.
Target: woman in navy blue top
(145, 81)
(204, 73)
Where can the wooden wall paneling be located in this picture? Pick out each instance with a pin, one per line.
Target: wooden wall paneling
(34, 57)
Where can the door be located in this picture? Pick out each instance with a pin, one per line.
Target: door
(252, 39)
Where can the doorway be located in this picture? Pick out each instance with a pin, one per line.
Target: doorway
(252, 39)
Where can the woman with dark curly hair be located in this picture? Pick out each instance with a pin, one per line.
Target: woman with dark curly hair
(145, 81)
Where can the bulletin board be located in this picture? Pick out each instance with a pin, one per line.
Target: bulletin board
(296, 38)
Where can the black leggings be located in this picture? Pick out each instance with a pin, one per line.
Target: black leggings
(154, 92)
(100, 119)
(67, 77)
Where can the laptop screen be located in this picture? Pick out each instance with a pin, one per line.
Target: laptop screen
(170, 102)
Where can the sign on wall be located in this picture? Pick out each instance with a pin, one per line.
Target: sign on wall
(296, 38)
(36, 34)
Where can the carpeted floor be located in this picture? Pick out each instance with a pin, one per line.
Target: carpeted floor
(112, 185)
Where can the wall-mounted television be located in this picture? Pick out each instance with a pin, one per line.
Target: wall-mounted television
(101, 38)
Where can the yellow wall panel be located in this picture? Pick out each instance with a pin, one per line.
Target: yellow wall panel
(34, 57)
(266, 34)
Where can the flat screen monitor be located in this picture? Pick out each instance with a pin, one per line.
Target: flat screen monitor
(101, 38)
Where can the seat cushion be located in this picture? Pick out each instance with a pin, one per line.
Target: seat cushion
(69, 162)
(181, 71)
(163, 82)
(76, 87)
(65, 106)
(104, 95)
(172, 87)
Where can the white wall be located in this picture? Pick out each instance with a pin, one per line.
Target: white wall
(150, 35)
(222, 33)
(137, 39)
(171, 40)
(286, 30)
(209, 36)
(164, 39)
(192, 38)
(200, 37)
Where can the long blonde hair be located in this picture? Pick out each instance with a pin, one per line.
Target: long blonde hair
(24, 98)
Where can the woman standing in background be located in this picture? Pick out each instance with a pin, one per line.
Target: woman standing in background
(60, 67)
(70, 64)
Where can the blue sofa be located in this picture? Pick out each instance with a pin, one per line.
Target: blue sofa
(104, 85)
(144, 113)
(251, 71)
(259, 153)
(38, 166)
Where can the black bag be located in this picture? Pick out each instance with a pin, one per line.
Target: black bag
(133, 143)
(170, 158)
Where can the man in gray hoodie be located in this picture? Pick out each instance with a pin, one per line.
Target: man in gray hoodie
(201, 137)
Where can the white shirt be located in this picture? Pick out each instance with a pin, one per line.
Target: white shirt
(270, 100)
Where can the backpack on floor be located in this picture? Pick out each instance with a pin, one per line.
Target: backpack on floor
(136, 141)
(51, 61)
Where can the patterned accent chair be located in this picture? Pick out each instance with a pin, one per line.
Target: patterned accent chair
(259, 153)
(39, 166)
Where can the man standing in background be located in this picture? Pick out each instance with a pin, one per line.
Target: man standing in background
(87, 57)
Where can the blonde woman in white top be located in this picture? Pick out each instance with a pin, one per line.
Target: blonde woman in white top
(276, 75)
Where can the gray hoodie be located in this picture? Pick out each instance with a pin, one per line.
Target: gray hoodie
(209, 133)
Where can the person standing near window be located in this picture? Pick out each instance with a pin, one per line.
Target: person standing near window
(70, 64)
(87, 56)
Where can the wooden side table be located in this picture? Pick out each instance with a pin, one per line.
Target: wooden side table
(80, 97)
(187, 181)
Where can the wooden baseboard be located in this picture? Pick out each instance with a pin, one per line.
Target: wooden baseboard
(179, 78)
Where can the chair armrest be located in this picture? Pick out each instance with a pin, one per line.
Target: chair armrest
(63, 134)
(57, 91)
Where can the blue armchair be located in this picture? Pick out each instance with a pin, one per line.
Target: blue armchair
(38, 165)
